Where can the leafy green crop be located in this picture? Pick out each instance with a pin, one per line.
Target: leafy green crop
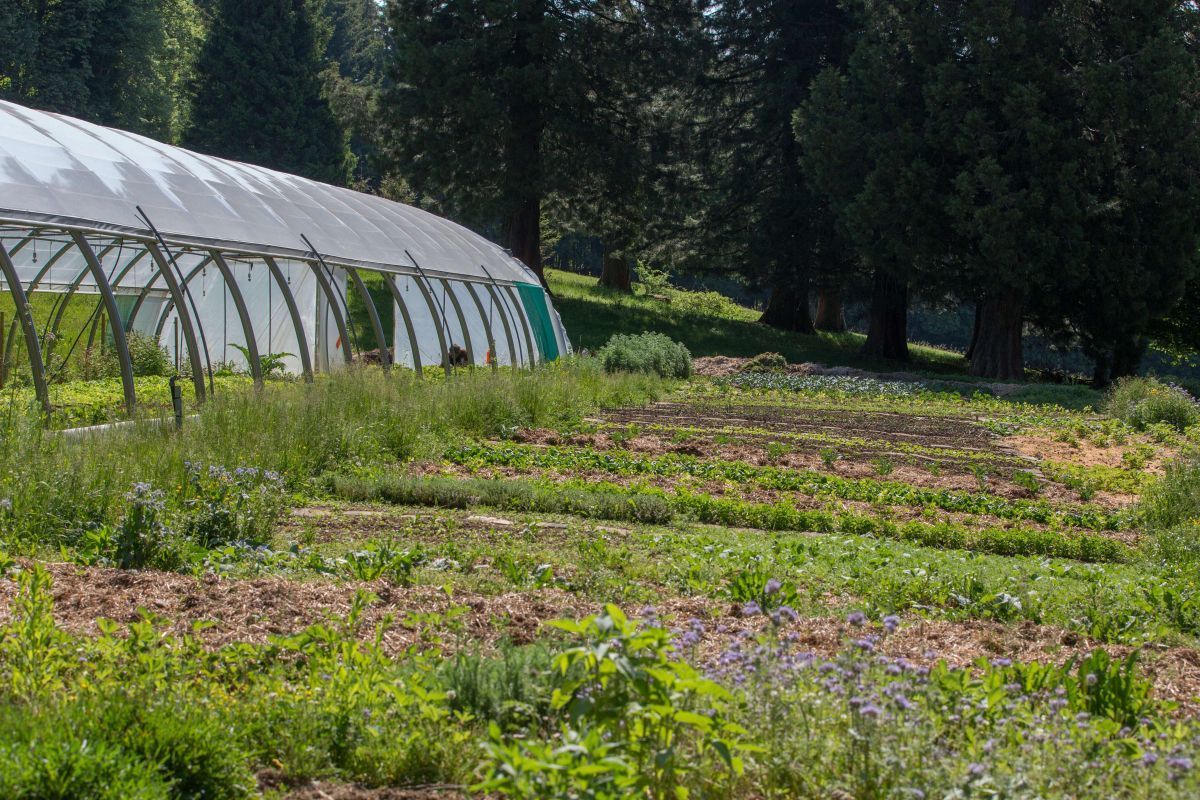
(816, 484)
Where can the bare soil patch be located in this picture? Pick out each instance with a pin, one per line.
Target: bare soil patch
(1085, 453)
(939, 431)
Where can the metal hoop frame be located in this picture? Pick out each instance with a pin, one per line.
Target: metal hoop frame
(162, 275)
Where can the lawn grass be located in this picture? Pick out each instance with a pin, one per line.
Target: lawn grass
(592, 315)
(75, 324)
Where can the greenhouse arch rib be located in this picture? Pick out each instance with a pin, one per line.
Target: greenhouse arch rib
(80, 188)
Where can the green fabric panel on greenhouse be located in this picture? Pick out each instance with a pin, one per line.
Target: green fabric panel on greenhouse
(533, 297)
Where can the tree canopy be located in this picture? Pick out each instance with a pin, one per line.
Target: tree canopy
(499, 108)
(1035, 158)
(1035, 161)
(124, 63)
(259, 90)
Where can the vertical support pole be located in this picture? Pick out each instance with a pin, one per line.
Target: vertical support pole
(502, 312)
(390, 280)
(37, 279)
(114, 319)
(239, 303)
(294, 313)
(462, 318)
(338, 318)
(438, 323)
(385, 357)
(184, 316)
(487, 327)
(176, 401)
(26, 319)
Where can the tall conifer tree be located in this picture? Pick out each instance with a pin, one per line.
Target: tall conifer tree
(764, 216)
(259, 91)
(498, 106)
(123, 63)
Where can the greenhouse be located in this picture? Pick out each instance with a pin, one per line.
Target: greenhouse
(233, 266)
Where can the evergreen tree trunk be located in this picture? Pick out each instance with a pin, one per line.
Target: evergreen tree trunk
(1102, 372)
(523, 235)
(787, 310)
(887, 334)
(617, 273)
(1127, 356)
(974, 333)
(997, 353)
(831, 313)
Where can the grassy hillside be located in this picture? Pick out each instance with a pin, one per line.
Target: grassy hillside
(711, 325)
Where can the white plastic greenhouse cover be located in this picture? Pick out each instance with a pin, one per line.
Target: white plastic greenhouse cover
(59, 170)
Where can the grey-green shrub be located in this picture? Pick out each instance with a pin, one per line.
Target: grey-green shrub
(650, 353)
(1142, 402)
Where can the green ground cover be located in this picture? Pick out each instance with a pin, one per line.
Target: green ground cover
(710, 326)
(510, 584)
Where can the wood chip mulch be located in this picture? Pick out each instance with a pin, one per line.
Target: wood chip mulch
(253, 610)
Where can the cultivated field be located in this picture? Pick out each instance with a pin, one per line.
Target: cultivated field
(573, 584)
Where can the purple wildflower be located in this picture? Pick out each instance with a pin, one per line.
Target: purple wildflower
(857, 619)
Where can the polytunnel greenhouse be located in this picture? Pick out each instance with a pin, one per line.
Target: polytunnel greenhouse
(225, 263)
